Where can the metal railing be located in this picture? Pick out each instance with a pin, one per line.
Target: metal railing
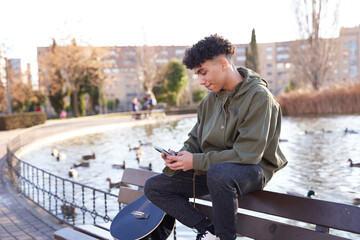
(70, 202)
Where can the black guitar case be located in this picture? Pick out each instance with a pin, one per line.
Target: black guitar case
(142, 220)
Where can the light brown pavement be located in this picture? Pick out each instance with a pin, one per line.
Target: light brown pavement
(19, 219)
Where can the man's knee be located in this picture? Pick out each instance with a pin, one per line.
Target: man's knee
(216, 175)
(149, 187)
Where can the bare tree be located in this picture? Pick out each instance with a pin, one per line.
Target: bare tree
(147, 68)
(314, 55)
(73, 67)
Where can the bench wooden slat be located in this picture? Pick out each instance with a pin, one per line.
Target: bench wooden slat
(319, 212)
(259, 228)
(94, 231)
(136, 177)
(70, 234)
(127, 195)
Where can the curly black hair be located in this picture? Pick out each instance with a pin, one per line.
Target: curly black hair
(206, 49)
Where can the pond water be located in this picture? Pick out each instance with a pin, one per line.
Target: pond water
(318, 150)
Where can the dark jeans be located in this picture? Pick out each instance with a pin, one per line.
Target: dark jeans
(224, 181)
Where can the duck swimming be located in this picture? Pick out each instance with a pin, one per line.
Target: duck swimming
(54, 152)
(139, 155)
(353, 164)
(68, 210)
(309, 194)
(83, 164)
(145, 144)
(116, 185)
(73, 173)
(146, 167)
(347, 131)
(134, 148)
(61, 156)
(87, 157)
(119, 166)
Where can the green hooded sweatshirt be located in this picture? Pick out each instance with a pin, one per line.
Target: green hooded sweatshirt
(240, 127)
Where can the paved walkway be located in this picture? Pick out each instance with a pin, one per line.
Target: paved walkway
(20, 219)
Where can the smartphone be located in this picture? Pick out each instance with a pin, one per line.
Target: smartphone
(161, 150)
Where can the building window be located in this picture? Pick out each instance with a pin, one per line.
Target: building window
(179, 51)
(241, 50)
(282, 56)
(269, 73)
(111, 53)
(130, 61)
(130, 53)
(109, 61)
(269, 65)
(106, 70)
(269, 57)
(241, 58)
(164, 52)
(353, 46)
(282, 48)
(353, 71)
(280, 65)
(161, 60)
(269, 49)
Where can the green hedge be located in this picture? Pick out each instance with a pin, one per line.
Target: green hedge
(21, 120)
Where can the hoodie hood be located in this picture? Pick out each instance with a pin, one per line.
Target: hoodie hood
(250, 79)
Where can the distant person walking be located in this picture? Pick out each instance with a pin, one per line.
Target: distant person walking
(134, 107)
(150, 101)
(63, 114)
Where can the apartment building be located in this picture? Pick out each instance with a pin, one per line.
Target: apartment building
(348, 61)
(123, 65)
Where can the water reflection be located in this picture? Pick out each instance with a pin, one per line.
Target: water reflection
(317, 159)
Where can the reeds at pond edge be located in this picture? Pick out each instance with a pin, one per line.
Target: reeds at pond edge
(335, 100)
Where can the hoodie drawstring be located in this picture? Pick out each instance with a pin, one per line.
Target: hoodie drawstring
(227, 110)
(194, 188)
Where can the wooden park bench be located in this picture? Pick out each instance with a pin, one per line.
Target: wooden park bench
(143, 114)
(262, 215)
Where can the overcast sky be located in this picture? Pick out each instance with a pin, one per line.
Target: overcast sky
(26, 25)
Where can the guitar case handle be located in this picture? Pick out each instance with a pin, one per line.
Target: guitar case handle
(140, 215)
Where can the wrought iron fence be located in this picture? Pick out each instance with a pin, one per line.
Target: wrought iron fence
(70, 202)
(66, 200)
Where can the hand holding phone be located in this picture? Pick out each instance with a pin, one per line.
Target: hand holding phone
(161, 150)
